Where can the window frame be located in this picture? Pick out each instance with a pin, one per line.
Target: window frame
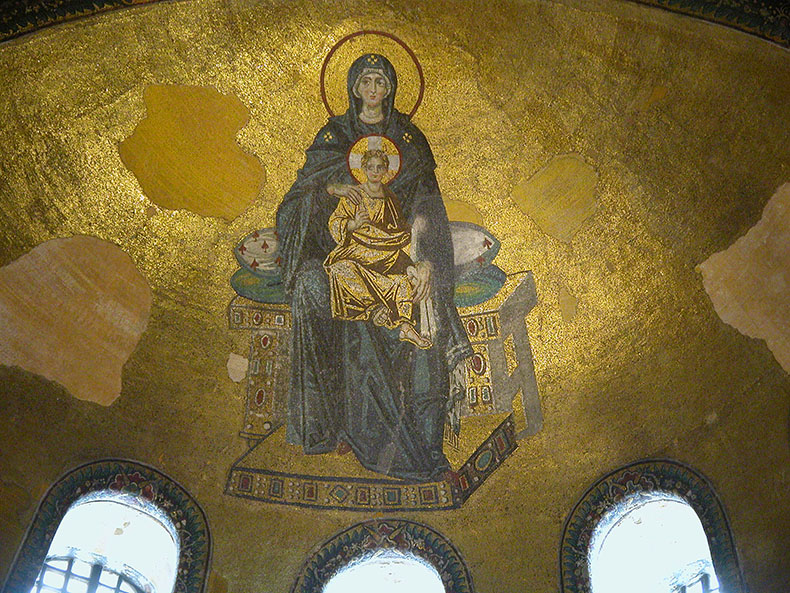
(658, 476)
(92, 581)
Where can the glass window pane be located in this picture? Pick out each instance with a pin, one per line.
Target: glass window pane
(657, 541)
(123, 534)
(77, 586)
(109, 578)
(105, 589)
(392, 572)
(54, 579)
(81, 568)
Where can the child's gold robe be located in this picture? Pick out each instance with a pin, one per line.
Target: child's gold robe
(367, 269)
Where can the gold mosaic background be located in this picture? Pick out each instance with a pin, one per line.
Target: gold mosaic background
(685, 124)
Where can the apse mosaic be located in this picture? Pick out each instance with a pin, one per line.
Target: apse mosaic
(372, 346)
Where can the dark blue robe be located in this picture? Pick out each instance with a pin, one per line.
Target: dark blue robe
(353, 381)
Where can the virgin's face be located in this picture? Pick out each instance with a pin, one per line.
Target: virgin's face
(372, 89)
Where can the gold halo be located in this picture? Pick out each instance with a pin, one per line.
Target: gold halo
(334, 72)
(373, 142)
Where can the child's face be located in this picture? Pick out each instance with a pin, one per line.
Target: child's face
(375, 169)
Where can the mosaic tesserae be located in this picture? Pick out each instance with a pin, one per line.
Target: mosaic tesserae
(445, 276)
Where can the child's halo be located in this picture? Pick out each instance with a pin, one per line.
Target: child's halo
(373, 142)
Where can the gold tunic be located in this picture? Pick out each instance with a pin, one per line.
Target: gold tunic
(367, 269)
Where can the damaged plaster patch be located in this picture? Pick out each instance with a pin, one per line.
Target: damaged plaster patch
(569, 304)
(237, 367)
(560, 196)
(72, 310)
(649, 96)
(185, 155)
(749, 283)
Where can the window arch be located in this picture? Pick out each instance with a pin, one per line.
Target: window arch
(135, 484)
(406, 538)
(629, 487)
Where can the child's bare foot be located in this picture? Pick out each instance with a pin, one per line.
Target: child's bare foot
(409, 334)
(380, 316)
(343, 447)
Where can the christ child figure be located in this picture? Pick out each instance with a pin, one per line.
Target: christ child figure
(370, 270)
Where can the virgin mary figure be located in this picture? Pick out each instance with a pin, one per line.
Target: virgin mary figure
(353, 383)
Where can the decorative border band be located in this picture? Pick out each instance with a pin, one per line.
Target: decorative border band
(18, 17)
(126, 477)
(349, 494)
(363, 494)
(768, 19)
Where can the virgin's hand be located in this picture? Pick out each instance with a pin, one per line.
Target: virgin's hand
(352, 192)
(423, 272)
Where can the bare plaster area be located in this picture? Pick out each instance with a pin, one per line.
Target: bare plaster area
(73, 310)
(749, 283)
(569, 304)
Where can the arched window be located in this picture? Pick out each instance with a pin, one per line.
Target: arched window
(108, 542)
(652, 526)
(377, 553)
(391, 571)
(653, 540)
(86, 535)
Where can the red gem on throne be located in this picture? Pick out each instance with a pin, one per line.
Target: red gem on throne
(471, 327)
(265, 340)
(260, 396)
(478, 364)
